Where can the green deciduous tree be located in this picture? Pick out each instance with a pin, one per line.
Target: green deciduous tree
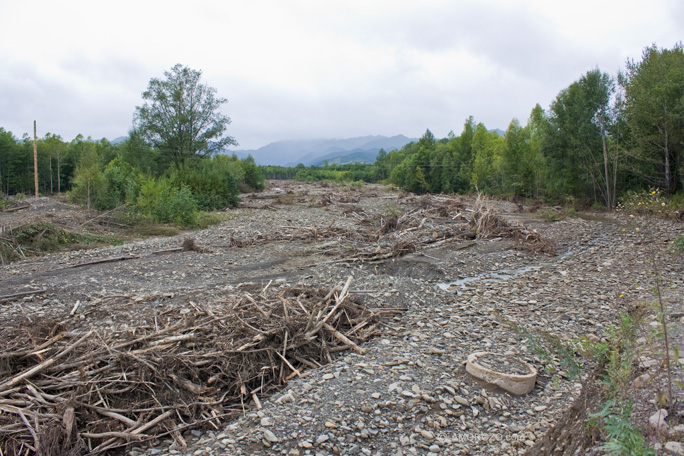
(654, 111)
(514, 167)
(486, 149)
(181, 116)
(538, 131)
(10, 162)
(577, 149)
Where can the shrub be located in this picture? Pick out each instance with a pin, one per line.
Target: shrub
(212, 187)
(119, 186)
(164, 203)
(651, 202)
(253, 176)
(88, 186)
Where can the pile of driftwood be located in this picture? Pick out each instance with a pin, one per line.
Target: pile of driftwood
(432, 220)
(374, 239)
(487, 222)
(65, 392)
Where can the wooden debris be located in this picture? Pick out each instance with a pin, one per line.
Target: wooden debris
(16, 207)
(67, 392)
(106, 260)
(21, 293)
(488, 224)
(188, 245)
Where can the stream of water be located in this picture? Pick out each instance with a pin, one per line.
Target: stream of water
(498, 276)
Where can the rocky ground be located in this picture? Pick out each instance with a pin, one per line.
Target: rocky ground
(409, 392)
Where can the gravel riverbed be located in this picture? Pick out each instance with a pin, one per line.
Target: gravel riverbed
(409, 392)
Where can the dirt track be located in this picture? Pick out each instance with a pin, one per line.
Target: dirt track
(409, 393)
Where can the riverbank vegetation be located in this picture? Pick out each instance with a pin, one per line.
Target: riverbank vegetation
(604, 141)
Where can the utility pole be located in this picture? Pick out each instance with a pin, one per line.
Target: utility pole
(35, 157)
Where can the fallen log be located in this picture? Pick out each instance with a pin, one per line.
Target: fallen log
(106, 260)
(21, 293)
(16, 208)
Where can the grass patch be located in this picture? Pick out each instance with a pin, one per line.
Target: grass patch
(206, 219)
(154, 229)
(677, 245)
(549, 214)
(653, 202)
(38, 238)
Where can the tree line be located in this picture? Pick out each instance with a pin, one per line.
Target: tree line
(168, 168)
(601, 136)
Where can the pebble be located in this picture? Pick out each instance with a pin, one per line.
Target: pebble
(461, 400)
(270, 436)
(657, 421)
(642, 381)
(427, 434)
(676, 448)
(266, 421)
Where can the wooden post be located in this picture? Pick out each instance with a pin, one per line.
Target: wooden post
(35, 157)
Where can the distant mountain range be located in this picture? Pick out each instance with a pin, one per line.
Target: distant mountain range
(316, 151)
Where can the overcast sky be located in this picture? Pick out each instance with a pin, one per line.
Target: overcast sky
(314, 69)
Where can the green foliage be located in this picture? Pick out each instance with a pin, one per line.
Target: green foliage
(646, 202)
(577, 150)
(593, 145)
(210, 182)
(163, 202)
(140, 156)
(654, 112)
(38, 238)
(88, 186)
(616, 353)
(559, 354)
(181, 117)
(120, 185)
(487, 148)
(205, 219)
(677, 245)
(253, 177)
(622, 438)
(549, 215)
